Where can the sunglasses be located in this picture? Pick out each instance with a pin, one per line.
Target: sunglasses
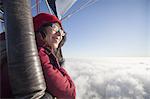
(56, 29)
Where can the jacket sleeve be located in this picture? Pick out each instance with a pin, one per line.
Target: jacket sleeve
(58, 82)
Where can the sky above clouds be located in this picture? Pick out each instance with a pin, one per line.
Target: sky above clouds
(107, 28)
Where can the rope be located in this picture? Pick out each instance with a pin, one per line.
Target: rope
(49, 9)
(84, 5)
(37, 6)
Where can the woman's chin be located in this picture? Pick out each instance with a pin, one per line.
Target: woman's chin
(55, 46)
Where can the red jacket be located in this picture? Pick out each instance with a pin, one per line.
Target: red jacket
(58, 82)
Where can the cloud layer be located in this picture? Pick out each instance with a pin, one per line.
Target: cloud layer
(111, 78)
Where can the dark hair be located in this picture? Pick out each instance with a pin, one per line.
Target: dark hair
(58, 51)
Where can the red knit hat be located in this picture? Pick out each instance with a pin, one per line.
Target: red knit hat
(44, 18)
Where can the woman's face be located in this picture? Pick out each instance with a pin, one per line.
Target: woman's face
(54, 35)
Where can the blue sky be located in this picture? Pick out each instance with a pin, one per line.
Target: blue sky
(108, 28)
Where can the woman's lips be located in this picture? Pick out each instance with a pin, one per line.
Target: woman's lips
(55, 38)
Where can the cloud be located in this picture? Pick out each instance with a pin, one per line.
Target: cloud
(112, 78)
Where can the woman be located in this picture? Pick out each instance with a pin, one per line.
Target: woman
(50, 38)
